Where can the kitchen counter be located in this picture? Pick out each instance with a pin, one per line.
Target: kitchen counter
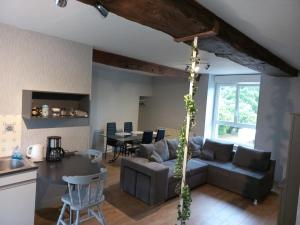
(17, 189)
(9, 166)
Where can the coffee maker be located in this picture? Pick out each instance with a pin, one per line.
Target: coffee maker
(54, 150)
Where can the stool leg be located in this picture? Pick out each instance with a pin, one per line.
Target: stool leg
(62, 212)
(77, 217)
(70, 218)
(102, 219)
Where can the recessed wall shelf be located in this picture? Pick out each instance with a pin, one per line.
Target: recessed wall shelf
(68, 101)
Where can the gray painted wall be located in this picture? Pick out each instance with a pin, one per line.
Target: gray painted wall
(115, 96)
(34, 61)
(278, 98)
(166, 107)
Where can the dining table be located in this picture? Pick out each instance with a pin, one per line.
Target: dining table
(123, 138)
(50, 185)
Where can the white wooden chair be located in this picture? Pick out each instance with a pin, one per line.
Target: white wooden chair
(84, 193)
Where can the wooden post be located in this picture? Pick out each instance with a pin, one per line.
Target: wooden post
(194, 59)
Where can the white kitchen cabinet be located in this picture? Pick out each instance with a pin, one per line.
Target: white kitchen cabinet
(17, 198)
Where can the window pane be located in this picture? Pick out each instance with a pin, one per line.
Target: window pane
(248, 104)
(226, 103)
(236, 135)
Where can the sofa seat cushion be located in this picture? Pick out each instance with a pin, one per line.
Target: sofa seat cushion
(222, 152)
(252, 159)
(249, 183)
(142, 164)
(193, 167)
(228, 166)
(249, 173)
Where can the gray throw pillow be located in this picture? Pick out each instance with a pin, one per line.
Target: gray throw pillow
(172, 146)
(161, 148)
(146, 150)
(195, 146)
(252, 159)
(222, 152)
(155, 157)
(207, 154)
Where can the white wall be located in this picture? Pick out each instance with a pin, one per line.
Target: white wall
(166, 107)
(34, 61)
(278, 98)
(115, 96)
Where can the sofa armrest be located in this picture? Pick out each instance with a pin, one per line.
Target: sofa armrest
(271, 172)
(267, 182)
(157, 173)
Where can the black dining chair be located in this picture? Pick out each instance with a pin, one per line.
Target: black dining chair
(147, 137)
(128, 128)
(160, 134)
(111, 129)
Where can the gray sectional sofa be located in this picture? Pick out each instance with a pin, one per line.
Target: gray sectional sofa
(149, 176)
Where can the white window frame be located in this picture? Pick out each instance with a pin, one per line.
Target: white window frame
(238, 81)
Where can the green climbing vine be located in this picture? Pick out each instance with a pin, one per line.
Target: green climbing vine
(183, 154)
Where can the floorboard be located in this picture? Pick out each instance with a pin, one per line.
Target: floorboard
(210, 206)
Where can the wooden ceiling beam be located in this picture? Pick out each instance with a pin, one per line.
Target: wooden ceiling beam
(128, 63)
(183, 18)
(202, 35)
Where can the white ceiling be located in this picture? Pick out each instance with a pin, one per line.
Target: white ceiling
(268, 24)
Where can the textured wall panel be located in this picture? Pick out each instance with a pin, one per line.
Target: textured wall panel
(34, 61)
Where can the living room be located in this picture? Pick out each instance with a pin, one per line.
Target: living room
(133, 66)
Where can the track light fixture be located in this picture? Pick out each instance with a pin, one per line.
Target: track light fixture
(61, 3)
(203, 65)
(103, 11)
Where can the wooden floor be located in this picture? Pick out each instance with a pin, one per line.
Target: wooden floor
(210, 206)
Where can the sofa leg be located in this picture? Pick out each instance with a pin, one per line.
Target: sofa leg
(255, 202)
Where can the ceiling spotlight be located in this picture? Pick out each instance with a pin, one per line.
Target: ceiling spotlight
(207, 66)
(200, 67)
(101, 9)
(61, 3)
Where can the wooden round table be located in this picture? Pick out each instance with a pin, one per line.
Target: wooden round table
(76, 165)
(50, 185)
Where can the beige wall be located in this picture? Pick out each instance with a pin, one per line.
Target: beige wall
(166, 107)
(34, 61)
(115, 96)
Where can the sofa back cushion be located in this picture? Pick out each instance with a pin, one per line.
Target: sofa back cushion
(252, 159)
(172, 146)
(146, 150)
(207, 154)
(159, 148)
(195, 146)
(155, 157)
(222, 152)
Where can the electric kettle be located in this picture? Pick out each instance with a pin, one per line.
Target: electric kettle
(35, 152)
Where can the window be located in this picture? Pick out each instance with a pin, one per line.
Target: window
(235, 109)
